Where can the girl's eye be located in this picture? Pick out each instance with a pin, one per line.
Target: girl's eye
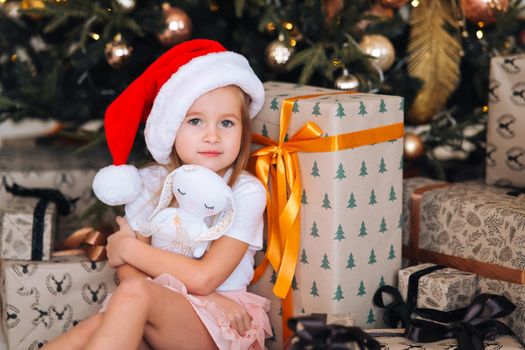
(227, 123)
(182, 193)
(195, 121)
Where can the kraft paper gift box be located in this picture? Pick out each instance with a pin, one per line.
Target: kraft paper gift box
(27, 229)
(392, 339)
(60, 168)
(476, 228)
(506, 125)
(41, 300)
(350, 233)
(445, 289)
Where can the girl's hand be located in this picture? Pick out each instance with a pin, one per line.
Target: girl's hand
(239, 318)
(117, 242)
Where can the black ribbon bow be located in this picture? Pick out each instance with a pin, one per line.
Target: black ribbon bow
(45, 195)
(478, 323)
(313, 333)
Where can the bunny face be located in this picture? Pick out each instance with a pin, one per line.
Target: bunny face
(200, 191)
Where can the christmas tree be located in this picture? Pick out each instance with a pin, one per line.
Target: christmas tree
(304, 258)
(313, 291)
(338, 295)
(361, 290)
(326, 202)
(362, 230)
(372, 200)
(314, 231)
(325, 264)
(339, 234)
(382, 165)
(315, 170)
(363, 172)
(316, 110)
(340, 174)
(350, 264)
(351, 201)
(67, 60)
(382, 226)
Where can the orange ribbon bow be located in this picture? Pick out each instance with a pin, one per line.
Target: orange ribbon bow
(86, 241)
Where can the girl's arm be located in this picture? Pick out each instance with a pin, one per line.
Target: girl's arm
(199, 276)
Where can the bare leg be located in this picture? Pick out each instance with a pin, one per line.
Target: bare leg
(141, 307)
(77, 336)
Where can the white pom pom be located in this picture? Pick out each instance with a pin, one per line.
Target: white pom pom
(118, 184)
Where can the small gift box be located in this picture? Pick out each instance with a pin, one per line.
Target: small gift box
(41, 300)
(437, 287)
(27, 229)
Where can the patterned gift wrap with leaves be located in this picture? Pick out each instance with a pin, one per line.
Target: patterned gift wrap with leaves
(16, 229)
(392, 342)
(445, 290)
(477, 228)
(350, 241)
(58, 168)
(506, 125)
(41, 300)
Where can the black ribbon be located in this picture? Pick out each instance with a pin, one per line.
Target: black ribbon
(516, 192)
(478, 323)
(313, 333)
(399, 311)
(45, 195)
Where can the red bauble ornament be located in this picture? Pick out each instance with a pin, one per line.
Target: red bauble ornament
(394, 3)
(483, 10)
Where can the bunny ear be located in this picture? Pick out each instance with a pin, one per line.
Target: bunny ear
(224, 224)
(166, 196)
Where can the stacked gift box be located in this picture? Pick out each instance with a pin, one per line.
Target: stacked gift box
(350, 202)
(45, 292)
(473, 227)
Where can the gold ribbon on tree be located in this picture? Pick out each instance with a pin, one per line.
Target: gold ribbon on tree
(278, 162)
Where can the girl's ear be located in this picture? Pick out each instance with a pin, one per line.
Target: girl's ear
(166, 196)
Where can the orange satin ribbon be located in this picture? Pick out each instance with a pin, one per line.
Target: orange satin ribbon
(279, 162)
(86, 241)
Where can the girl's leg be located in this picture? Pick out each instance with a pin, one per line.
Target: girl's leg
(76, 337)
(142, 308)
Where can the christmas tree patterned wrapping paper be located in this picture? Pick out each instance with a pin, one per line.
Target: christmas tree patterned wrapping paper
(27, 229)
(445, 290)
(350, 241)
(472, 224)
(506, 125)
(41, 300)
(59, 168)
(388, 341)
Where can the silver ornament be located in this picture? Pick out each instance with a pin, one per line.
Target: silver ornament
(346, 81)
(126, 5)
(278, 54)
(381, 48)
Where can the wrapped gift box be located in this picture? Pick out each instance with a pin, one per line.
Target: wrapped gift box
(445, 289)
(27, 229)
(41, 300)
(351, 204)
(60, 168)
(392, 339)
(506, 127)
(476, 228)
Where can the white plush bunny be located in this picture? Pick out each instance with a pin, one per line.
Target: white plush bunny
(200, 193)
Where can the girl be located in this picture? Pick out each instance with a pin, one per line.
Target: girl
(197, 100)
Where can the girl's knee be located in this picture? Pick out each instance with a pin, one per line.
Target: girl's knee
(133, 288)
(89, 325)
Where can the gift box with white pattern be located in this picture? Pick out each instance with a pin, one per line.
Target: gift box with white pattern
(41, 300)
(350, 233)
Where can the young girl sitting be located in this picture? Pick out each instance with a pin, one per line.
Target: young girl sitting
(197, 100)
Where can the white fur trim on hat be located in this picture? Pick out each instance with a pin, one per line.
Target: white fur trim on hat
(197, 77)
(117, 184)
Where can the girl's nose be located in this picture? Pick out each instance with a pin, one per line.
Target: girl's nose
(212, 134)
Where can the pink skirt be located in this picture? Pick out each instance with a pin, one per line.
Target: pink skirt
(214, 319)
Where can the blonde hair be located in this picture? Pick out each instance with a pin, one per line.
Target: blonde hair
(241, 161)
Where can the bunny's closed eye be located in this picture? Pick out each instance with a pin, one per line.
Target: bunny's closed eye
(182, 193)
(211, 207)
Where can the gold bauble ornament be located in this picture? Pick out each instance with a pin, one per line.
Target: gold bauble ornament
(178, 26)
(347, 82)
(381, 48)
(31, 5)
(126, 5)
(413, 147)
(278, 54)
(117, 51)
(483, 10)
(394, 3)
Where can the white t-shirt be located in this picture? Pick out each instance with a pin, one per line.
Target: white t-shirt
(250, 201)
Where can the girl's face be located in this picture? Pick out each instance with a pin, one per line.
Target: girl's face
(210, 134)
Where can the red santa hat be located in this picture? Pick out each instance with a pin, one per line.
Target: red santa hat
(160, 97)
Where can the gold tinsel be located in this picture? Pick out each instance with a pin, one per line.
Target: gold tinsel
(434, 57)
